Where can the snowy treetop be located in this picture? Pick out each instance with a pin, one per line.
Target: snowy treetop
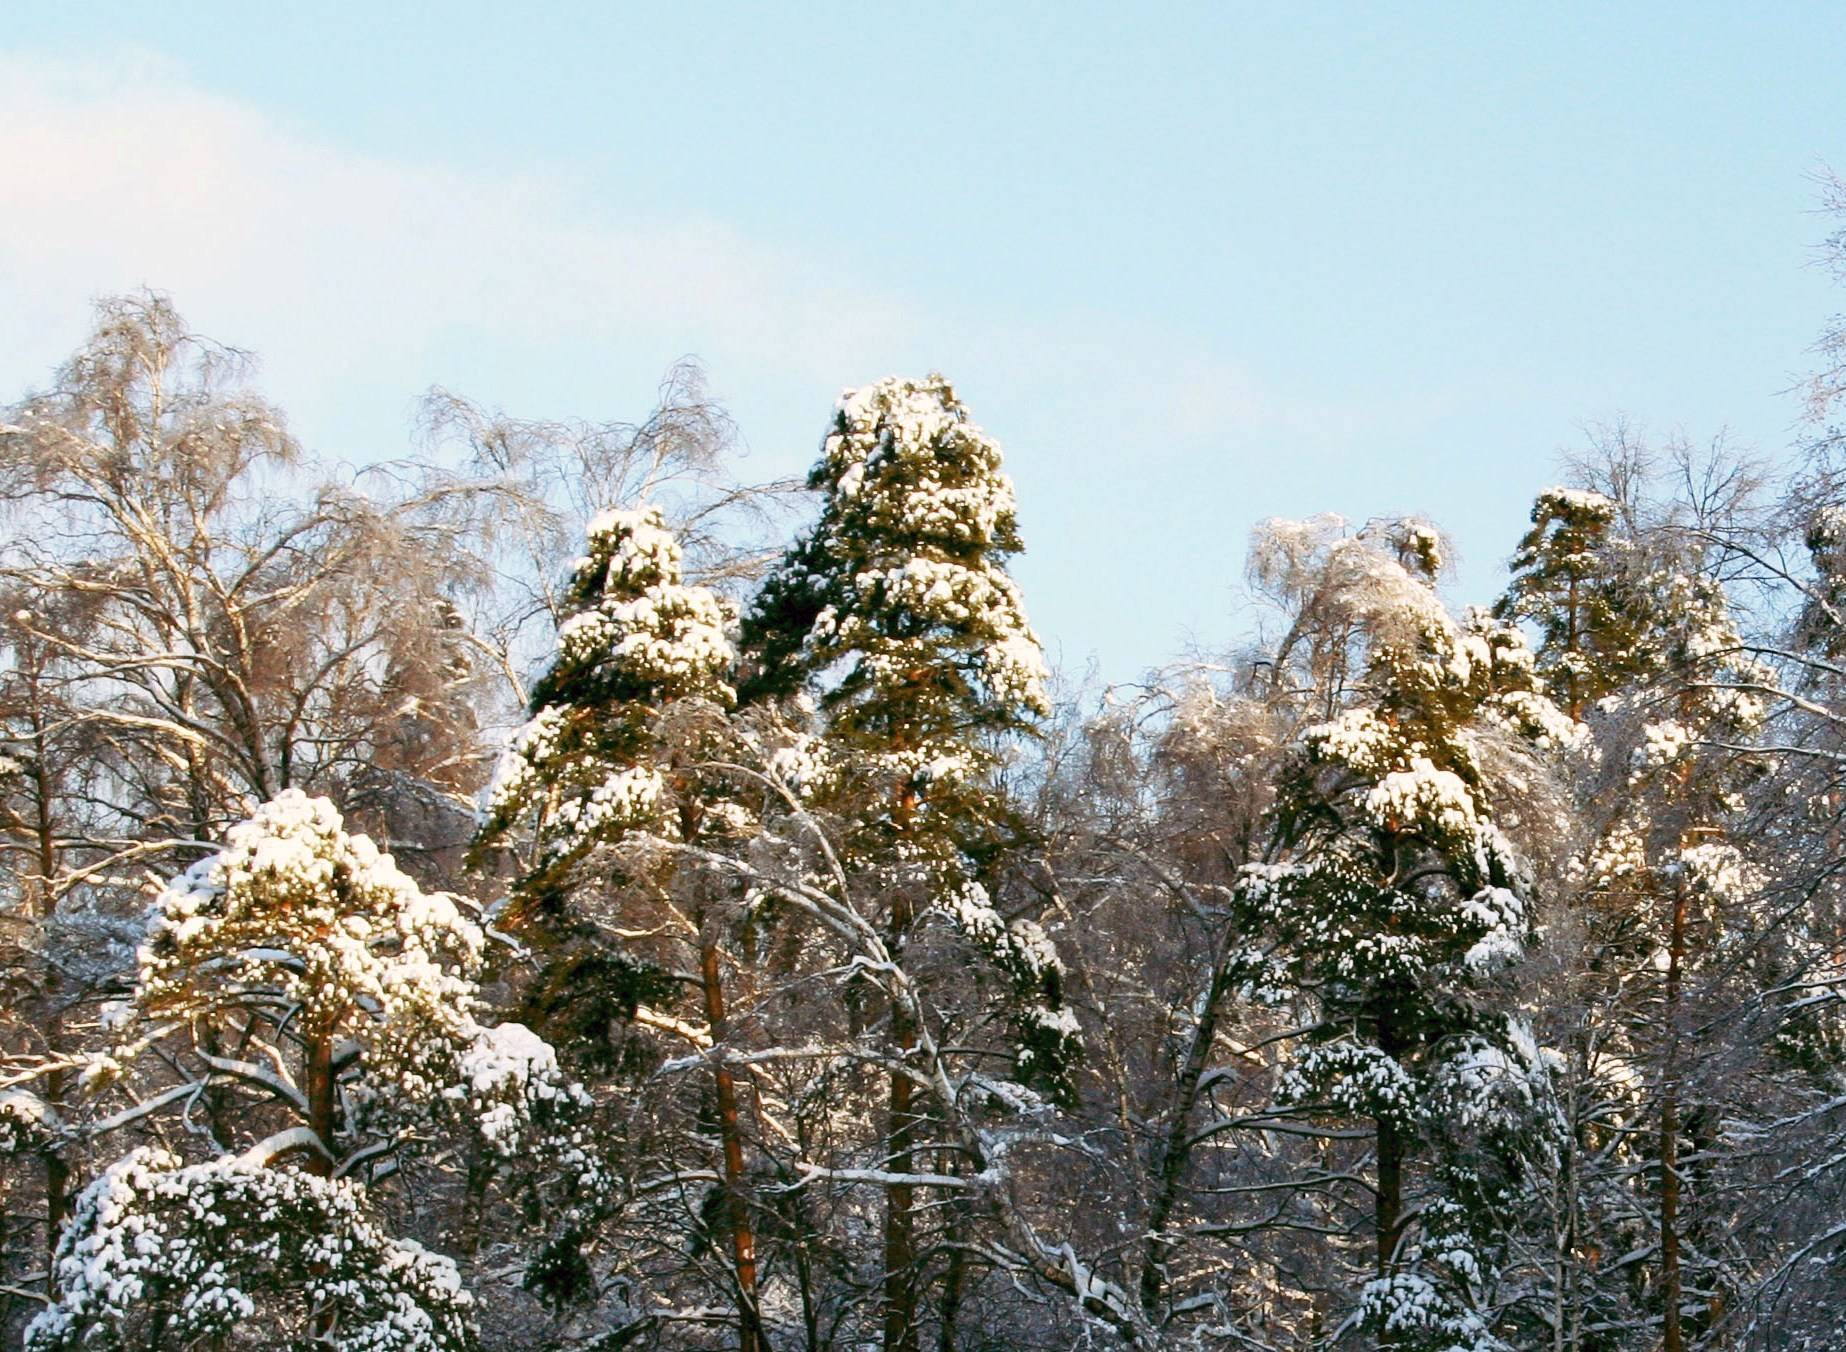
(912, 544)
(639, 640)
(214, 1245)
(1583, 504)
(295, 902)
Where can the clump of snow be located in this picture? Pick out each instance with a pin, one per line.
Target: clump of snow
(27, 1122)
(200, 1251)
(1427, 799)
(295, 903)
(1358, 1079)
(508, 1082)
(1720, 870)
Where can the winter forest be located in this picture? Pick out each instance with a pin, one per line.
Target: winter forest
(552, 892)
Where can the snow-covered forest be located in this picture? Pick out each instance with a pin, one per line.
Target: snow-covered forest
(550, 892)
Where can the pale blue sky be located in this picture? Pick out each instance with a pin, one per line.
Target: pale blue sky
(1193, 265)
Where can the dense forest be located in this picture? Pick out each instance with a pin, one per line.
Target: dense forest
(549, 892)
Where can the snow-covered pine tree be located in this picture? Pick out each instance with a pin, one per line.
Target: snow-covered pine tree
(1392, 900)
(1637, 631)
(626, 725)
(897, 610)
(327, 1004)
(1666, 878)
(1791, 1000)
(1582, 582)
(1579, 580)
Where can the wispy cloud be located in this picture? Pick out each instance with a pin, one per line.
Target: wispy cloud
(361, 279)
(125, 173)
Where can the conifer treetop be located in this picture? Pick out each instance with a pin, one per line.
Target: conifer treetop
(635, 627)
(589, 764)
(294, 903)
(904, 574)
(897, 610)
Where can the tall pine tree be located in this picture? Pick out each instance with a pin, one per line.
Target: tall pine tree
(1393, 899)
(625, 725)
(1639, 635)
(897, 611)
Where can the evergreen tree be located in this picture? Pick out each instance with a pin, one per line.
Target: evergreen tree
(323, 1006)
(1638, 634)
(627, 724)
(897, 610)
(1394, 899)
(1579, 580)
(1668, 883)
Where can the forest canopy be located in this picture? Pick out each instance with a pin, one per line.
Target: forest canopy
(551, 892)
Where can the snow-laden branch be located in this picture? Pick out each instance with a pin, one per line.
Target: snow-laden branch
(285, 1142)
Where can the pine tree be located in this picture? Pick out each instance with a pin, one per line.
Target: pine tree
(1581, 582)
(1393, 901)
(161, 1254)
(897, 609)
(626, 725)
(326, 1005)
(1639, 637)
(1666, 869)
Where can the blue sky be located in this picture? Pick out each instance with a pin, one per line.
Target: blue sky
(1193, 265)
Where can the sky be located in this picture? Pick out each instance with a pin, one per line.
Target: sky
(1193, 265)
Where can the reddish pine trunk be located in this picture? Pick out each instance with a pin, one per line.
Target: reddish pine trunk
(900, 1228)
(320, 1096)
(319, 1088)
(900, 1295)
(743, 1239)
(730, 1134)
(899, 1197)
(900, 1289)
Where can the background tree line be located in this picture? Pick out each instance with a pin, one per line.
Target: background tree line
(548, 892)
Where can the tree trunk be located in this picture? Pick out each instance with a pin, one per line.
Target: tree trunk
(743, 1238)
(900, 1293)
(41, 899)
(955, 1278)
(900, 1283)
(1173, 1150)
(1393, 1149)
(319, 1089)
(1390, 1209)
(57, 1082)
(1567, 1314)
(57, 1173)
(320, 1095)
(1671, 1339)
